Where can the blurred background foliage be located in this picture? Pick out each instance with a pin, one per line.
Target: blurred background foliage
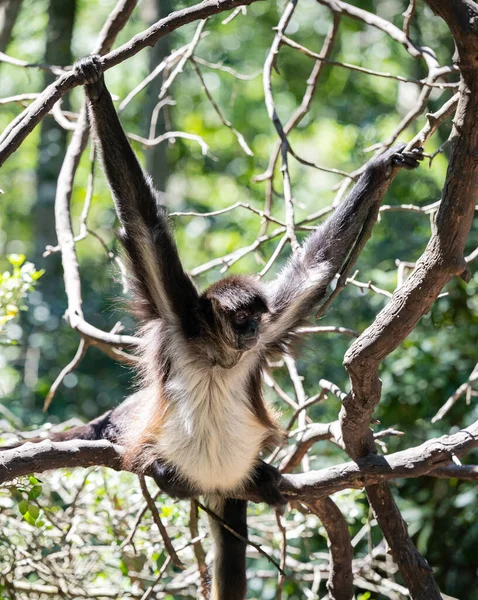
(350, 112)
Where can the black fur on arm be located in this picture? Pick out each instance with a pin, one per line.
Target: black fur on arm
(304, 280)
(159, 283)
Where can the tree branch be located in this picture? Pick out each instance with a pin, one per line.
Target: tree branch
(341, 581)
(371, 469)
(442, 259)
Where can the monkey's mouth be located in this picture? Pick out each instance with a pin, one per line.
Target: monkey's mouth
(246, 342)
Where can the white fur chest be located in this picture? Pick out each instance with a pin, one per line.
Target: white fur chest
(211, 433)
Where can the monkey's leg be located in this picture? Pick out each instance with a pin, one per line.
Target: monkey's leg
(160, 287)
(91, 69)
(397, 156)
(333, 247)
(265, 482)
(170, 482)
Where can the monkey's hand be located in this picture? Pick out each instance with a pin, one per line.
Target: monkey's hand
(90, 69)
(265, 482)
(384, 164)
(408, 160)
(170, 482)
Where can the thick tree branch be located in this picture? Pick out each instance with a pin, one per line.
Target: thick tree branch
(306, 487)
(48, 455)
(442, 259)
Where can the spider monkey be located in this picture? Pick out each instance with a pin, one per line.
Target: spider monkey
(199, 421)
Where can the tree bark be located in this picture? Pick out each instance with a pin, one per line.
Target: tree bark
(442, 259)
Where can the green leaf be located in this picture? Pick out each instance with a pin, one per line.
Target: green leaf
(37, 274)
(34, 511)
(16, 260)
(166, 511)
(123, 567)
(35, 492)
(29, 519)
(23, 507)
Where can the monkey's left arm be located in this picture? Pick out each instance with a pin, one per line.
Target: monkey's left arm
(305, 278)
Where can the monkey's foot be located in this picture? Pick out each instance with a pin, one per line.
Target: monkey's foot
(408, 160)
(90, 69)
(170, 482)
(265, 482)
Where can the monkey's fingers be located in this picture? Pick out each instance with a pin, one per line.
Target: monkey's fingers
(408, 160)
(90, 69)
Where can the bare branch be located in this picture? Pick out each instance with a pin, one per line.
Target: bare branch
(422, 82)
(408, 17)
(166, 63)
(375, 21)
(71, 366)
(240, 138)
(442, 259)
(463, 389)
(199, 551)
(25, 64)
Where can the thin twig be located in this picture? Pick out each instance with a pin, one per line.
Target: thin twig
(71, 366)
(240, 138)
(199, 551)
(283, 558)
(157, 519)
(149, 591)
(336, 63)
(463, 389)
(408, 17)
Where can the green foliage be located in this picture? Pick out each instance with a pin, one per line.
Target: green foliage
(14, 286)
(26, 495)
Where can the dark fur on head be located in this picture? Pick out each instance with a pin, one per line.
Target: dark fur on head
(238, 292)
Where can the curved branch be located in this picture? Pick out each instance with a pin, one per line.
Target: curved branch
(375, 21)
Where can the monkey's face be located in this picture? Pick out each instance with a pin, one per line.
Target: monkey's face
(234, 311)
(246, 324)
(235, 332)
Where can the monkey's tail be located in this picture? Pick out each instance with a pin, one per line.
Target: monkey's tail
(94, 430)
(229, 570)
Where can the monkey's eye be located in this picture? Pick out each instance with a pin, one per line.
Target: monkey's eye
(241, 317)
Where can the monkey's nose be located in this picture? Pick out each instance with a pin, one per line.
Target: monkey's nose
(252, 328)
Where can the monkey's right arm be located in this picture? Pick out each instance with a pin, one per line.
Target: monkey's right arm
(159, 283)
